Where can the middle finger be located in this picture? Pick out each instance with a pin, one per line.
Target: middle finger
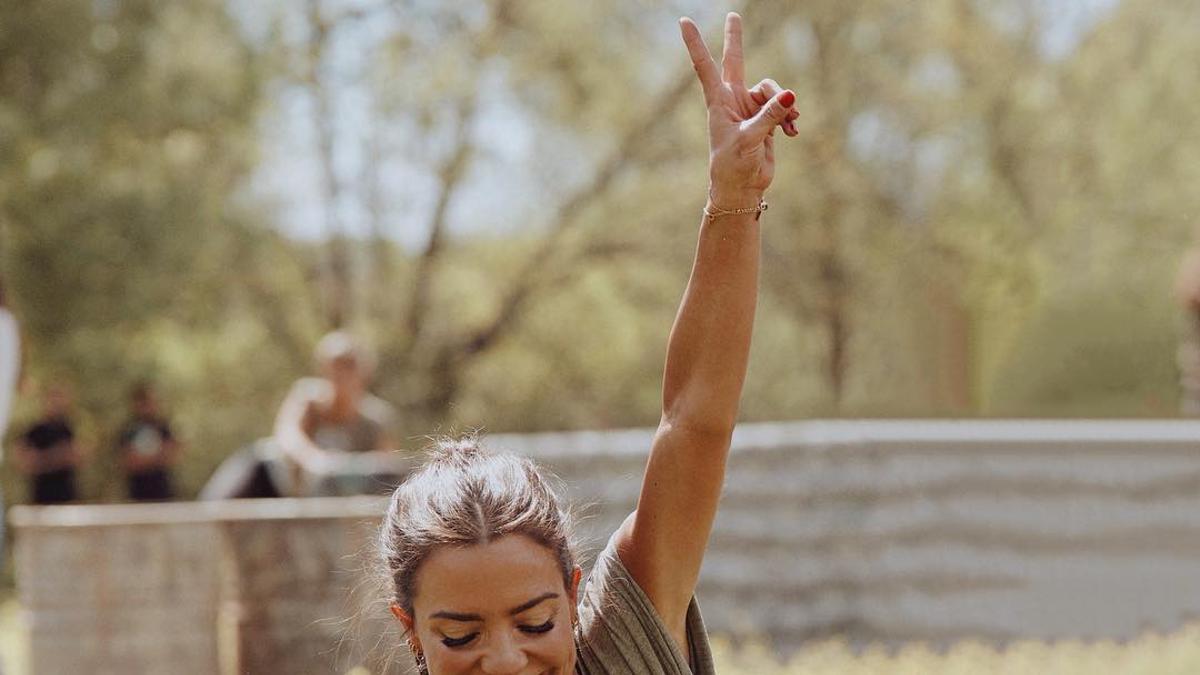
(731, 59)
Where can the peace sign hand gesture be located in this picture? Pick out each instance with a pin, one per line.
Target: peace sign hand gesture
(741, 122)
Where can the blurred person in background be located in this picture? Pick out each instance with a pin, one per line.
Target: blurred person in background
(10, 361)
(331, 436)
(147, 448)
(48, 452)
(10, 369)
(330, 429)
(1187, 291)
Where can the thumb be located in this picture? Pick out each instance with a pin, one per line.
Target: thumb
(771, 115)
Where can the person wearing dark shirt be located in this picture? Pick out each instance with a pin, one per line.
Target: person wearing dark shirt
(48, 452)
(147, 449)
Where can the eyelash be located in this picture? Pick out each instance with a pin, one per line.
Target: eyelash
(466, 639)
(458, 642)
(539, 629)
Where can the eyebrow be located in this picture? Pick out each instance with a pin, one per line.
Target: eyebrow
(455, 616)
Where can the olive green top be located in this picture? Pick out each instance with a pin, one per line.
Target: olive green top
(620, 632)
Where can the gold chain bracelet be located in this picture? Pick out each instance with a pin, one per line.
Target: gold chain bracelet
(712, 213)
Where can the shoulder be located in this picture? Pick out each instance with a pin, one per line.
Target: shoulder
(34, 430)
(308, 390)
(127, 429)
(619, 625)
(163, 425)
(377, 410)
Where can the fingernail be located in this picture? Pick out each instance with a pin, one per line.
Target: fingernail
(788, 98)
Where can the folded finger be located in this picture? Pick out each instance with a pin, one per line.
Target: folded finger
(771, 115)
(764, 91)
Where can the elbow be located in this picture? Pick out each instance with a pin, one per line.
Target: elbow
(703, 410)
(712, 429)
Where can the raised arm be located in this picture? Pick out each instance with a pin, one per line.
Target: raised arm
(292, 428)
(663, 541)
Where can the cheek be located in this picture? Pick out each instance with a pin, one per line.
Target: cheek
(557, 648)
(442, 660)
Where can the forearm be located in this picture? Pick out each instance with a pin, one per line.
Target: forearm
(710, 341)
(297, 445)
(291, 432)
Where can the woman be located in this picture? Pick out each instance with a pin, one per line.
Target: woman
(477, 545)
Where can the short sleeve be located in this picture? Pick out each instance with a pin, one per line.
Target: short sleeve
(620, 632)
(125, 436)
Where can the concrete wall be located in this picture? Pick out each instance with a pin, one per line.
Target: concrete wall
(880, 530)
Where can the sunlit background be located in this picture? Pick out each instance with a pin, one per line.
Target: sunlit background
(984, 214)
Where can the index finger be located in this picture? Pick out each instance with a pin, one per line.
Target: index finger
(702, 61)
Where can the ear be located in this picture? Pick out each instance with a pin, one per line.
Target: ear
(573, 592)
(404, 618)
(576, 576)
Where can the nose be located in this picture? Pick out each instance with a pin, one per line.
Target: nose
(504, 657)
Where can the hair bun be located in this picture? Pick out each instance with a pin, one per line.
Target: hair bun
(456, 450)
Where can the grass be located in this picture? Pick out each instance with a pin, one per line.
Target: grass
(14, 639)
(1150, 654)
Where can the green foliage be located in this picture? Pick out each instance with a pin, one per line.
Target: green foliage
(130, 128)
(1098, 351)
(967, 224)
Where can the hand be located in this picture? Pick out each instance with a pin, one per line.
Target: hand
(382, 462)
(320, 465)
(741, 122)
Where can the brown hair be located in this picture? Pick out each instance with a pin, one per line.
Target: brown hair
(465, 496)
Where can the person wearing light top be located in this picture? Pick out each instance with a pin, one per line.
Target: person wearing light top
(10, 361)
(335, 435)
(476, 544)
(331, 436)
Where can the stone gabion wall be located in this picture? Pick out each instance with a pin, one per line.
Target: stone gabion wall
(889, 531)
(124, 598)
(250, 586)
(882, 531)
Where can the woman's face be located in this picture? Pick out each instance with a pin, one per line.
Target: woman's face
(499, 608)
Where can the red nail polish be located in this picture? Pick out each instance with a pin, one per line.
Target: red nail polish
(787, 99)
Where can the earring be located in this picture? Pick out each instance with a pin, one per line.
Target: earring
(418, 658)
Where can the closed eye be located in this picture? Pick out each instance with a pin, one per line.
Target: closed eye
(459, 642)
(540, 628)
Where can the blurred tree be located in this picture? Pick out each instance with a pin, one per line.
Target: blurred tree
(459, 65)
(506, 197)
(128, 129)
